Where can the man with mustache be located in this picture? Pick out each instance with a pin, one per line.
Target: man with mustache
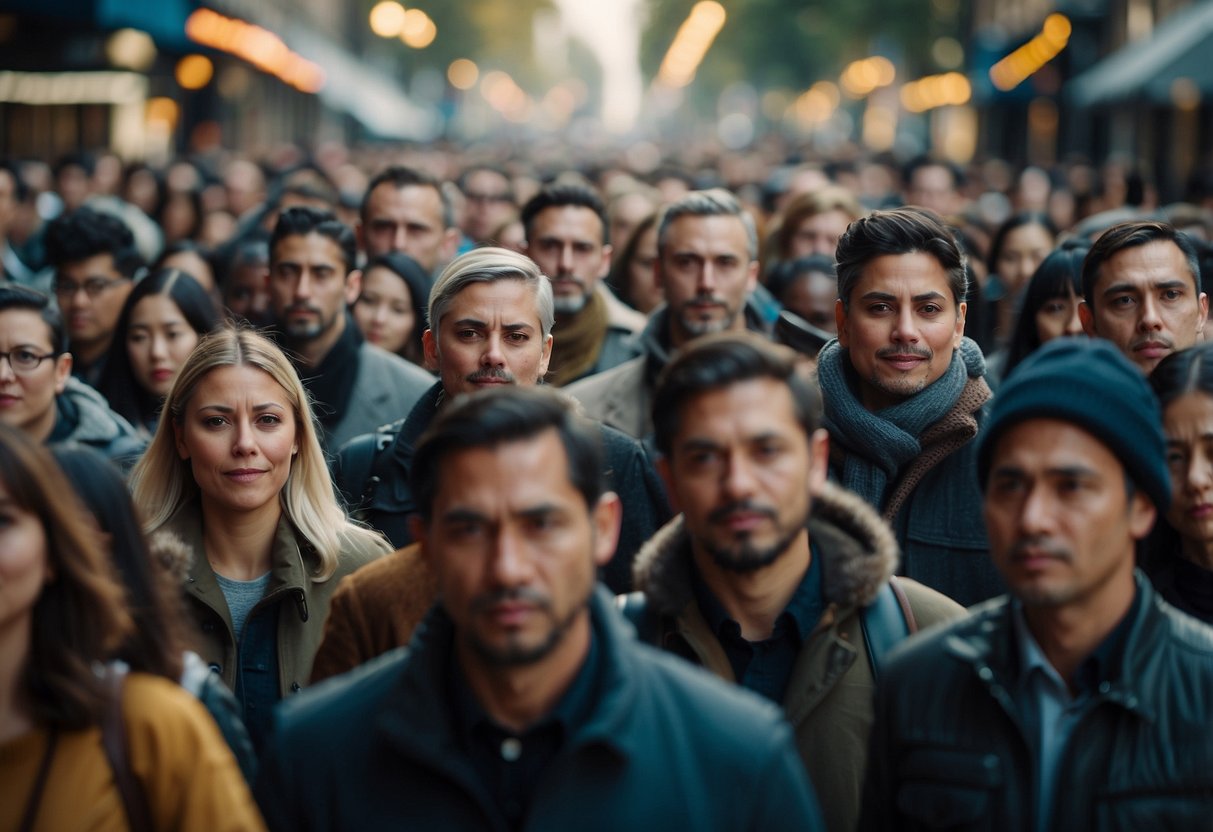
(524, 702)
(566, 236)
(1141, 291)
(491, 316)
(1081, 700)
(707, 265)
(770, 575)
(905, 395)
(355, 385)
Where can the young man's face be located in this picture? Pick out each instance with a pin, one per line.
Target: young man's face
(565, 241)
(91, 293)
(901, 328)
(1146, 302)
(27, 396)
(309, 286)
(515, 549)
(741, 470)
(705, 270)
(1062, 527)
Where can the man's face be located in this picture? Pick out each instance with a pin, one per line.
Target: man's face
(408, 220)
(308, 285)
(247, 293)
(91, 293)
(1146, 303)
(932, 188)
(812, 296)
(741, 471)
(490, 334)
(1062, 530)
(902, 327)
(515, 549)
(566, 242)
(819, 234)
(706, 272)
(27, 398)
(487, 194)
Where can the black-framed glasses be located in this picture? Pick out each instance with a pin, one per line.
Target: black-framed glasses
(24, 360)
(94, 287)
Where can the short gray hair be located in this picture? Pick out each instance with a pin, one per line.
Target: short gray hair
(714, 202)
(488, 265)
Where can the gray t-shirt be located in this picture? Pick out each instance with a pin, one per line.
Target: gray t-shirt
(241, 597)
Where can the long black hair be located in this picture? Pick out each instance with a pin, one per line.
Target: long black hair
(1058, 276)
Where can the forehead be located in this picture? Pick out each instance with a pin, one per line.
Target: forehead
(389, 199)
(1037, 445)
(1143, 264)
(238, 383)
(158, 307)
(711, 234)
(486, 179)
(739, 412)
(910, 274)
(96, 265)
(311, 247)
(511, 299)
(24, 326)
(508, 477)
(572, 220)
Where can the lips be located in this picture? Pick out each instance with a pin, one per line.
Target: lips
(9, 399)
(1152, 349)
(903, 363)
(161, 375)
(243, 475)
(1201, 511)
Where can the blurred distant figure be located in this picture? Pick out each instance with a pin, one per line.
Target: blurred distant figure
(406, 210)
(489, 200)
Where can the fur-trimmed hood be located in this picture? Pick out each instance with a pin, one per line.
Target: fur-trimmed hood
(858, 551)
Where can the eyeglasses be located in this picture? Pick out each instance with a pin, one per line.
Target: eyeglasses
(94, 287)
(24, 361)
(477, 196)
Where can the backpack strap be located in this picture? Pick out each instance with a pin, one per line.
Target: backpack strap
(113, 740)
(885, 622)
(358, 467)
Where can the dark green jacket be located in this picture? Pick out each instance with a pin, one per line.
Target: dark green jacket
(949, 750)
(665, 748)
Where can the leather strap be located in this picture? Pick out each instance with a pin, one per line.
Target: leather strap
(113, 740)
(906, 609)
(44, 769)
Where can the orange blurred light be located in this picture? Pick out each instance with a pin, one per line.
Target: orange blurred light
(194, 72)
(462, 74)
(387, 19)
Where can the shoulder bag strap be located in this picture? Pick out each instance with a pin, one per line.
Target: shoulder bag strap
(113, 739)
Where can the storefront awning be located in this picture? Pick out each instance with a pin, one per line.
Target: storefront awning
(1179, 49)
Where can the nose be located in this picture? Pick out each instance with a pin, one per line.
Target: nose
(243, 443)
(738, 478)
(707, 282)
(1036, 512)
(493, 354)
(1074, 325)
(905, 328)
(159, 347)
(1150, 321)
(400, 238)
(303, 289)
(510, 564)
(380, 314)
(1200, 472)
(7, 373)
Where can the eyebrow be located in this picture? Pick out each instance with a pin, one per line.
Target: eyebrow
(479, 324)
(223, 408)
(932, 295)
(1126, 286)
(1055, 471)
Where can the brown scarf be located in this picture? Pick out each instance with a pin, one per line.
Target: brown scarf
(577, 342)
(951, 432)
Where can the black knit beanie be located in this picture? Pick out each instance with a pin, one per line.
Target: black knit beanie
(1088, 382)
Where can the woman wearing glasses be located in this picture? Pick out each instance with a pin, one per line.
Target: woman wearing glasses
(37, 392)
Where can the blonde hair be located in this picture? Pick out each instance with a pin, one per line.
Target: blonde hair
(161, 481)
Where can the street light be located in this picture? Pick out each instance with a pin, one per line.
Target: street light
(387, 19)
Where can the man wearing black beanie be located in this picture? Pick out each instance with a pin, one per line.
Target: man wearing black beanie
(1080, 701)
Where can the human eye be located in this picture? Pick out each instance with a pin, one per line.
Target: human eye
(24, 355)
(467, 334)
(95, 285)
(1175, 458)
(1006, 485)
(269, 419)
(880, 308)
(1122, 301)
(1171, 294)
(213, 422)
(931, 309)
(517, 337)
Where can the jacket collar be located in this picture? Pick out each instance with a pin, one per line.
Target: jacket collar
(986, 643)
(858, 551)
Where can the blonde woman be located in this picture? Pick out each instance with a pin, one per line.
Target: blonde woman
(235, 471)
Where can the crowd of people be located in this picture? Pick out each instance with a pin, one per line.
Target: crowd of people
(410, 489)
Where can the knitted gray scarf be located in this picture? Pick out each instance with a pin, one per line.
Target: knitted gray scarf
(879, 444)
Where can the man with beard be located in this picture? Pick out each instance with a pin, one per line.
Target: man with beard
(1081, 701)
(1141, 291)
(905, 395)
(707, 265)
(355, 385)
(524, 700)
(771, 577)
(566, 236)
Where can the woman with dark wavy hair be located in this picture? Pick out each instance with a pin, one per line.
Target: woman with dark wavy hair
(63, 702)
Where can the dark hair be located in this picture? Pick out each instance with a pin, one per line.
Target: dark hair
(1128, 235)
(560, 195)
(1183, 372)
(418, 284)
(300, 220)
(510, 413)
(1058, 275)
(924, 161)
(399, 176)
(79, 618)
(185, 247)
(86, 233)
(1016, 221)
(785, 272)
(156, 643)
(194, 197)
(13, 296)
(721, 360)
(117, 382)
(899, 231)
(619, 278)
(462, 181)
(20, 189)
(82, 159)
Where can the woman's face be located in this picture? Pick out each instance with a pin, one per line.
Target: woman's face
(645, 291)
(819, 234)
(1057, 317)
(384, 310)
(23, 563)
(158, 341)
(1023, 249)
(238, 433)
(1188, 424)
